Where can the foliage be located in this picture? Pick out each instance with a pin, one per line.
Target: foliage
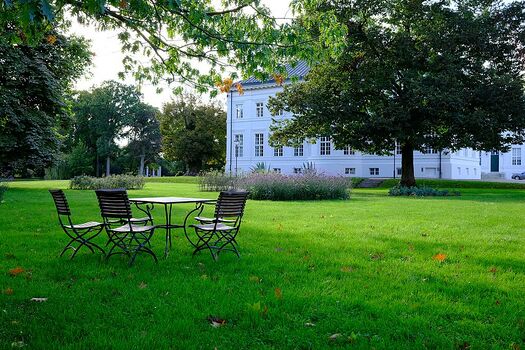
(35, 82)
(110, 112)
(129, 182)
(311, 186)
(374, 254)
(242, 35)
(420, 192)
(214, 181)
(453, 184)
(195, 133)
(274, 186)
(144, 135)
(260, 168)
(440, 74)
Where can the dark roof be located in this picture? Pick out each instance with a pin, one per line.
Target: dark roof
(298, 71)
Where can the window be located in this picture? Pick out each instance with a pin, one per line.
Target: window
(516, 156)
(467, 170)
(259, 109)
(239, 112)
(459, 170)
(238, 143)
(398, 148)
(298, 151)
(399, 171)
(348, 151)
(259, 145)
(277, 170)
(297, 170)
(278, 151)
(325, 146)
(350, 171)
(374, 171)
(279, 113)
(429, 150)
(475, 172)
(465, 152)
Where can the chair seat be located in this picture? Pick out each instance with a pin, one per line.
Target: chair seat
(203, 219)
(86, 225)
(135, 228)
(133, 220)
(211, 227)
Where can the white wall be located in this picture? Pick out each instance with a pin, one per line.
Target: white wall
(426, 165)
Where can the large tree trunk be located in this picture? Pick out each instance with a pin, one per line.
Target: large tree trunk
(407, 165)
(108, 171)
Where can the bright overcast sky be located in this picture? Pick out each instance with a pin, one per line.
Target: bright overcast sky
(108, 58)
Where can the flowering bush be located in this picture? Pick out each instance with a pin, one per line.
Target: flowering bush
(128, 182)
(274, 186)
(215, 181)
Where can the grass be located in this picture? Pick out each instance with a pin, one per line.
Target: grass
(362, 268)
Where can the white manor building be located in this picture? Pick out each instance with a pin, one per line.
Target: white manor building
(248, 130)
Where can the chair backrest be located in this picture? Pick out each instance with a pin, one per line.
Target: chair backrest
(60, 202)
(231, 204)
(114, 204)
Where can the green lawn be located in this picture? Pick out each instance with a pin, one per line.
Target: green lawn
(362, 268)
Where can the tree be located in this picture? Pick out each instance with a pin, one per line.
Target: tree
(194, 132)
(144, 135)
(101, 116)
(241, 36)
(35, 82)
(442, 74)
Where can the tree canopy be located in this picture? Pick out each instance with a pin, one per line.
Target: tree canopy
(233, 35)
(108, 113)
(194, 132)
(35, 110)
(440, 74)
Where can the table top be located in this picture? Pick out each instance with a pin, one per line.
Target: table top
(170, 200)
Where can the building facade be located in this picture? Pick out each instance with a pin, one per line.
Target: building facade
(503, 164)
(248, 131)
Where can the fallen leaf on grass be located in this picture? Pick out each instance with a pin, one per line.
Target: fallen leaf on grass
(377, 256)
(493, 269)
(278, 293)
(216, 322)
(440, 257)
(309, 324)
(8, 291)
(255, 279)
(16, 271)
(142, 285)
(334, 336)
(18, 344)
(39, 300)
(347, 269)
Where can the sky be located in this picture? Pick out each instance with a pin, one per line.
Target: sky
(107, 62)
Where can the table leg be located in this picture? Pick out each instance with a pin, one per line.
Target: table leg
(198, 207)
(167, 212)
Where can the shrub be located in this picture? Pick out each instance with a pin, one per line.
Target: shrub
(273, 186)
(214, 181)
(420, 192)
(128, 182)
